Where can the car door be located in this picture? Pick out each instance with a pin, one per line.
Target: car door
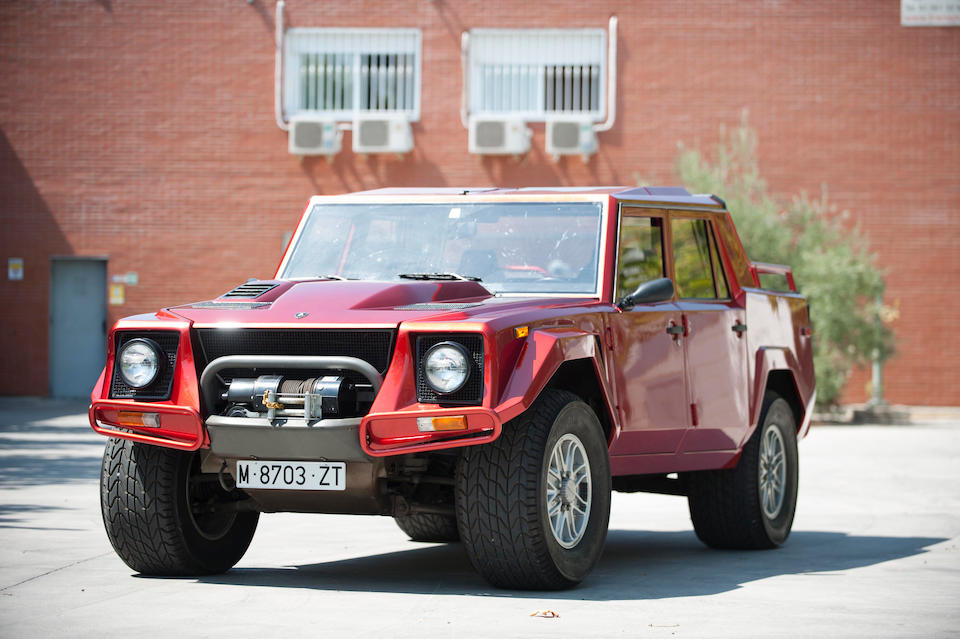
(713, 337)
(645, 362)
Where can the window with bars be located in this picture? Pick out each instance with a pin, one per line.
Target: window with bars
(340, 73)
(538, 73)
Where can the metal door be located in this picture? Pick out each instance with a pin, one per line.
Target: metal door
(78, 317)
(646, 364)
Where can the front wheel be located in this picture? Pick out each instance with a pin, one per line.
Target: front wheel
(752, 505)
(533, 506)
(164, 517)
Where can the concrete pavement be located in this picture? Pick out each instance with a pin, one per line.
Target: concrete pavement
(874, 552)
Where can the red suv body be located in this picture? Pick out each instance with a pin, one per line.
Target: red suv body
(481, 364)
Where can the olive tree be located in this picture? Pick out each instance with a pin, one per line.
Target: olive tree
(831, 260)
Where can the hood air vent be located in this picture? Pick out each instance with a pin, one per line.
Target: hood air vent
(249, 290)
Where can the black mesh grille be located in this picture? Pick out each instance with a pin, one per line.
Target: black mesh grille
(250, 289)
(472, 391)
(373, 346)
(168, 341)
(436, 306)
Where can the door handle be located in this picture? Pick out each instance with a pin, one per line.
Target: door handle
(739, 328)
(675, 330)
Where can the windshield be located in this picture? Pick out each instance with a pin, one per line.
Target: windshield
(513, 247)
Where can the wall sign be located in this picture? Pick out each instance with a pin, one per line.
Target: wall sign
(15, 268)
(117, 294)
(930, 13)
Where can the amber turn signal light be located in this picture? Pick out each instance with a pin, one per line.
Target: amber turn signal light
(451, 422)
(131, 418)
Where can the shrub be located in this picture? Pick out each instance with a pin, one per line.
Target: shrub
(831, 260)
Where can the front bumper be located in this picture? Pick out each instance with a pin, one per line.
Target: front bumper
(287, 439)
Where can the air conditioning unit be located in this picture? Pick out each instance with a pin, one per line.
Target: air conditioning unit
(382, 135)
(310, 135)
(571, 137)
(492, 136)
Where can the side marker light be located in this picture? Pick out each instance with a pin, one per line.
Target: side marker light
(433, 424)
(131, 418)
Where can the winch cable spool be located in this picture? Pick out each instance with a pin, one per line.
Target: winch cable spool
(321, 397)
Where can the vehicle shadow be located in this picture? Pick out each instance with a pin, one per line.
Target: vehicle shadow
(635, 565)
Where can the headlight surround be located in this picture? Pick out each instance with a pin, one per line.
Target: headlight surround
(446, 367)
(139, 360)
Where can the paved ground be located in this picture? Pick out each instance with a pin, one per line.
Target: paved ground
(874, 552)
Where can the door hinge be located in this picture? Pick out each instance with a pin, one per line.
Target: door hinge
(608, 337)
(695, 419)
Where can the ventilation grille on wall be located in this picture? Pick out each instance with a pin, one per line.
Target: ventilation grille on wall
(533, 73)
(340, 72)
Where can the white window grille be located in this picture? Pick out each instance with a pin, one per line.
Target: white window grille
(538, 73)
(340, 73)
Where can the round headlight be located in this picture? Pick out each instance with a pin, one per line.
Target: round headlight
(140, 362)
(446, 367)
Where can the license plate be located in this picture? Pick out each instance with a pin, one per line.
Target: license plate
(292, 475)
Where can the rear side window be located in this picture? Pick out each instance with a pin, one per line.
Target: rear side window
(641, 252)
(696, 266)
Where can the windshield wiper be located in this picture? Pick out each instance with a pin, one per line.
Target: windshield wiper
(331, 277)
(439, 276)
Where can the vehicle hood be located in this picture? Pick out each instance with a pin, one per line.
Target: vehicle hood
(326, 303)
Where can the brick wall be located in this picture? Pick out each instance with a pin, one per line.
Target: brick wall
(144, 132)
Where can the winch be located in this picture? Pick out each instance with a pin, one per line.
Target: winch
(327, 397)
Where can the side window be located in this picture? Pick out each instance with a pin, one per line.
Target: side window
(695, 261)
(641, 252)
(723, 292)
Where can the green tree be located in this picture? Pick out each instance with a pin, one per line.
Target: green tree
(831, 260)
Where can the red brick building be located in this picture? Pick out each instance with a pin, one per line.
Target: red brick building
(144, 133)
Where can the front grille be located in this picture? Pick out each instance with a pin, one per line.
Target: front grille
(374, 346)
(160, 388)
(472, 391)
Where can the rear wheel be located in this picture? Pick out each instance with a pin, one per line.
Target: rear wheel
(429, 527)
(752, 505)
(533, 506)
(164, 517)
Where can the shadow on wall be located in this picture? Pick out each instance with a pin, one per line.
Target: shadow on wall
(29, 232)
(362, 172)
(636, 565)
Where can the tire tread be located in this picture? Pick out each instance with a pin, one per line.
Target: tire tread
(497, 501)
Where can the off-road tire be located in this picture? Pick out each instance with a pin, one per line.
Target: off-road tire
(144, 502)
(429, 527)
(725, 504)
(501, 498)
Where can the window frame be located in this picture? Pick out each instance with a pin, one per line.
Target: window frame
(293, 49)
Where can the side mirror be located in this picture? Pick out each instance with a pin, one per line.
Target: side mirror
(659, 290)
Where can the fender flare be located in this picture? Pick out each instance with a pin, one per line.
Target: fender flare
(541, 356)
(770, 359)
